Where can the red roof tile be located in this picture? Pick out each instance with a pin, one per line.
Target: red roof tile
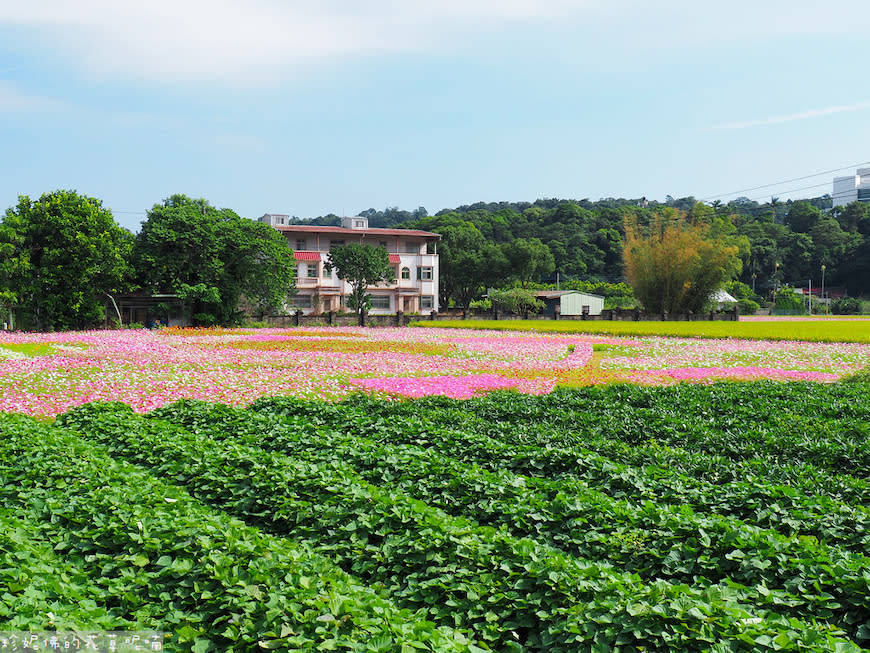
(307, 256)
(359, 232)
(395, 258)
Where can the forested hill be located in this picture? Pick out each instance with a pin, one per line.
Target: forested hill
(585, 238)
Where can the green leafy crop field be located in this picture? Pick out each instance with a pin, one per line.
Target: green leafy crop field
(723, 517)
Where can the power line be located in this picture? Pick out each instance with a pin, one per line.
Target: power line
(787, 181)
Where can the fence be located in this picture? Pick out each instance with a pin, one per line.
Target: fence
(402, 319)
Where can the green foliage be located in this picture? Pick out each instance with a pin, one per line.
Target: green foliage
(362, 266)
(59, 256)
(846, 306)
(515, 300)
(467, 262)
(528, 260)
(731, 517)
(513, 593)
(481, 304)
(747, 306)
(99, 544)
(214, 259)
(788, 300)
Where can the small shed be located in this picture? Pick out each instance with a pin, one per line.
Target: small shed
(570, 302)
(723, 299)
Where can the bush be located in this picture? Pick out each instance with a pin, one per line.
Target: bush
(846, 306)
(788, 300)
(619, 301)
(747, 306)
(516, 300)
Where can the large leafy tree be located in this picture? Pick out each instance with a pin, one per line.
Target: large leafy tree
(60, 256)
(676, 263)
(467, 262)
(214, 259)
(361, 266)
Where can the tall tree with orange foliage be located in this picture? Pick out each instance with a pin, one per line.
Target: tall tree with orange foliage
(678, 261)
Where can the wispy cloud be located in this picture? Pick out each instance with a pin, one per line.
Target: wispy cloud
(789, 117)
(250, 40)
(247, 42)
(16, 100)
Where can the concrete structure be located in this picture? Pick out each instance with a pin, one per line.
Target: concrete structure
(414, 255)
(570, 302)
(852, 188)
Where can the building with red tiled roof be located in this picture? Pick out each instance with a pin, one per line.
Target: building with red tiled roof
(413, 253)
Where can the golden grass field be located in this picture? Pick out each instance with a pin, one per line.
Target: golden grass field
(809, 329)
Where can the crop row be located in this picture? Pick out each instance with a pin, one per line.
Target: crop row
(94, 543)
(785, 431)
(754, 500)
(513, 593)
(825, 425)
(646, 538)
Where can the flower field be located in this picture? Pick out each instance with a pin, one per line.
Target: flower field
(46, 374)
(459, 490)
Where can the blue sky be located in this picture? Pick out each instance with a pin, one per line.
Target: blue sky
(334, 106)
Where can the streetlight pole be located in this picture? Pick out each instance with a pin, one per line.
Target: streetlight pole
(823, 289)
(775, 282)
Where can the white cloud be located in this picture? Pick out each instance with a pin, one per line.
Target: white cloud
(251, 41)
(14, 99)
(789, 117)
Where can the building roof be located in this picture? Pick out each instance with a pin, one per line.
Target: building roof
(301, 228)
(306, 256)
(553, 294)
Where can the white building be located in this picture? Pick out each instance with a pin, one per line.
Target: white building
(414, 255)
(852, 188)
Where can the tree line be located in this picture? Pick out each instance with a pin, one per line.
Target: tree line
(62, 256)
(502, 243)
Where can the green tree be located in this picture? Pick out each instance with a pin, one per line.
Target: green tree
(467, 262)
(675, 265)
(59, 258)
(516, 300)
(528, 259)
(214, 259)
(361, 266)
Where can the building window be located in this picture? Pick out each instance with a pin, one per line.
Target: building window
(406, 273)
(335, 243)
(381, 302)
(301, 244)
(427, 302)
(312, 271)
(383, 244)
(359, 224)
(302, 301)
(430, 247)
(424, 273)
(327, 273)
(412, 247)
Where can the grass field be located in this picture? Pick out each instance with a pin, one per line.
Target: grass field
(803, 329)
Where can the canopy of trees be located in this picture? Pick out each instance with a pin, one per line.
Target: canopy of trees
(59, 257)
(361, 266)
(214, 259)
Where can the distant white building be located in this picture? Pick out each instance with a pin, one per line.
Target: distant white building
(413, 254)
(852, 188)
